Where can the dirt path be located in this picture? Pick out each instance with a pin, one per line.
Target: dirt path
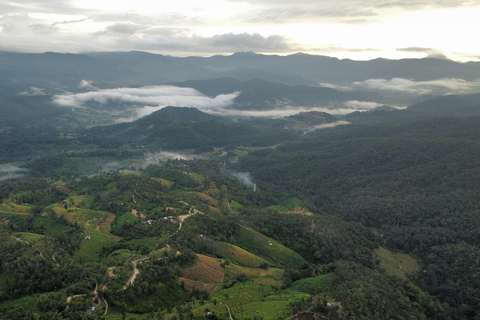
(182, 218)
(75, 296)
(110, 272)
(135, 272)
(106, 307)
(24, 241)
(53, 258)
(229, 311)
(99, 299)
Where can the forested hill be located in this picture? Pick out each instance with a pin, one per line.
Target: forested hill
(183, 128)
(411, 126)
(468, 104)
(415, 181)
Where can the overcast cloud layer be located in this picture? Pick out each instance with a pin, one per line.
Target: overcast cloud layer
(358, 29)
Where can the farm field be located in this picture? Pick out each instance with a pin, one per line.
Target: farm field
(271, 276)
(207, 269)
(9, 206)
(239, 255)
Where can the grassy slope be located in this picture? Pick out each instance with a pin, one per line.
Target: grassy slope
(322, 284)
(277, 254)
(239, 255)
(397, 264)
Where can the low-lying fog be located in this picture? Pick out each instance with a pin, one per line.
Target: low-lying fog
(143, 101)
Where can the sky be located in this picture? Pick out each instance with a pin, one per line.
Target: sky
(353, 29)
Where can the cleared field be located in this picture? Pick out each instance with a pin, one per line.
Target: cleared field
(214, 209)
(192, 285)
(243, 293)
(269, 249)
(164, 182)
(197, 176)
(269, 310)
(207, 199)
(99, 220)
(201, 311)
(397, 264)
(239, 255)
(77, 215)
(235, 205)
(91, 248)
(322, 284)
(105, 225)
(212, 192)
(207, 269)
(275, 274)
(11, 207)
(32, 238)
(80, 200)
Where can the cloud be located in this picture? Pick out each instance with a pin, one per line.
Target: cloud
(430, 52)
(439, 87)
(86, 84)
(8, 172)
(327, 126)
(33, 91)
(40, 28)
(124, 29)
(172, 39)
(341, 11)
(44, 6)
(144, 100)
(362, 105)
(246, 41)
(361, 5)
(165, 155)
(285, 111)
(130, 104)
(188, 27)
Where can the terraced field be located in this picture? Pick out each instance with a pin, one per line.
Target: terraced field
(207, 269)
(208, 274)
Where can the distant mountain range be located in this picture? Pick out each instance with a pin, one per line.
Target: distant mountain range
(56, 71)
(28, 83)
